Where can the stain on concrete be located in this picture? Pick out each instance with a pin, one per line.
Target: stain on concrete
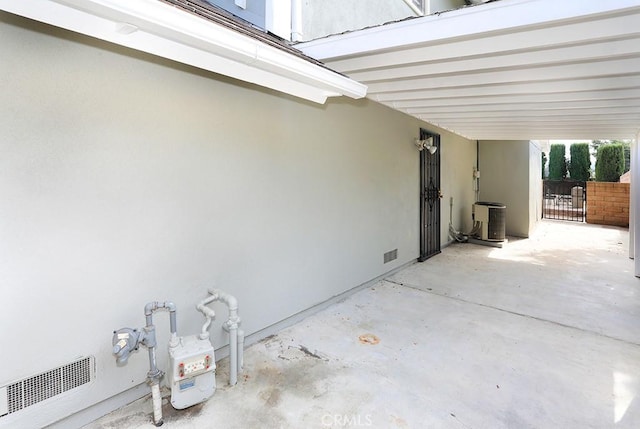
(314, 355)
(400, 422)
(369, 339)
(291, 353)
(171, 414)
(271, 397)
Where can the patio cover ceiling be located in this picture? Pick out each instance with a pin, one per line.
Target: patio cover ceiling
(506, 70)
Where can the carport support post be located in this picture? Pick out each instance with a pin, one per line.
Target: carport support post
(634, 213)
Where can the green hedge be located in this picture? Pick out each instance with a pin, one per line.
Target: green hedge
(544, 163)
(610, 163)
(580, 166)
(557, 162)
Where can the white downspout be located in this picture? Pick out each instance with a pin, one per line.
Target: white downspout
(296, 21)
(632, 214)
(634, 209)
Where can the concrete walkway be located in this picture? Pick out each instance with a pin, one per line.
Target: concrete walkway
(541, 334)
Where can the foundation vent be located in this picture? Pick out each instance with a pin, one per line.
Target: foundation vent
(29, 391)
(391, 255)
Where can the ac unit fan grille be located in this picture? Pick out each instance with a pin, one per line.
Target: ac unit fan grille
(497, 223)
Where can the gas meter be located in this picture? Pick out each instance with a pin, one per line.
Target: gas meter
(191, 375)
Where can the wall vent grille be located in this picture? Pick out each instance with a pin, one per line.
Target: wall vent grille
(30, 391)
(391, 255)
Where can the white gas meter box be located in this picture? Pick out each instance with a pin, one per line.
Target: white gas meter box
(192, 371)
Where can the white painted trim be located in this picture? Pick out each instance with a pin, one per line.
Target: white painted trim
(278, 18)
(297, 32)
(632, 199)
(463, 22)
(163, 30)
(634, 212)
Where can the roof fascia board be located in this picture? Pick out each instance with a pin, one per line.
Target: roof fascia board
(161, 29)
(464, 22)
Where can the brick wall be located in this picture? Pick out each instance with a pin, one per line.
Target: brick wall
(608, 203)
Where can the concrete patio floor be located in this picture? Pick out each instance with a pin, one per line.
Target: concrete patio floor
(543, 333)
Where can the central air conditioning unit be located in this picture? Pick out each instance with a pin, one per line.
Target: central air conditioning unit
(492, 216)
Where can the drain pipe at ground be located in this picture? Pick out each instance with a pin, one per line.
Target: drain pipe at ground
(240, 350)
(149, 340)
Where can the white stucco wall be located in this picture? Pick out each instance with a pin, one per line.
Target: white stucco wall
(535, 183)
(321, 18)
(126, 179)
(457, 164)
(324, 17)
(507, 171)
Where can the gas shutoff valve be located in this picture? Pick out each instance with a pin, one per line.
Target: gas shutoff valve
(125, 341)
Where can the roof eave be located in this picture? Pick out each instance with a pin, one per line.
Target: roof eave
(161, 29)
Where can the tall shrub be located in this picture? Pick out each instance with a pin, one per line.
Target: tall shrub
(580, 161)
(544, 163)
(557, 162)
(627, 157)
(610, 163)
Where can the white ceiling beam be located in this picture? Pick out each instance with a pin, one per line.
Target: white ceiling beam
(489, 127)
(610, 120)
(568, 135)
(528, 107)
(540, 113)
(596, 52)
(554, 87)
(534, 133)
(519, 41)
(618, 94)
(569, 120)
(534, 74)
(502, 16)
(471, 129)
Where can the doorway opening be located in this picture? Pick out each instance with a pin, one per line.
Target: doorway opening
(430, 196)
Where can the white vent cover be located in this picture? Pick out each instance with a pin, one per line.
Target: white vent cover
(29, 391)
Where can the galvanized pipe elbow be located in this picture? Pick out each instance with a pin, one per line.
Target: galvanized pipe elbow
(155, 305)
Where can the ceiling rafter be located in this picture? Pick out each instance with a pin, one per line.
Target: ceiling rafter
(511, 69)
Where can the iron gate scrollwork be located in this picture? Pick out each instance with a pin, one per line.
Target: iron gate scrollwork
(564, 200)
(432, 194)
(430, 198)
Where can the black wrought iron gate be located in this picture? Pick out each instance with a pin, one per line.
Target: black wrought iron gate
(429, 198)
(564, 200)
